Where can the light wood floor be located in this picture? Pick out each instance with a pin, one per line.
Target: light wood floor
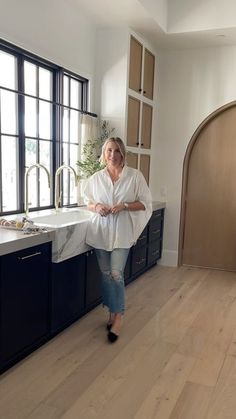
(175, 359)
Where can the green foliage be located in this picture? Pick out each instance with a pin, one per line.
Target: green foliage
(91, 153)
(90, 163)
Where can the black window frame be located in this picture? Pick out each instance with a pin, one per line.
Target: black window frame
(58, 73)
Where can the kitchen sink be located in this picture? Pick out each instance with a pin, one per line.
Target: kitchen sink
(62, 219)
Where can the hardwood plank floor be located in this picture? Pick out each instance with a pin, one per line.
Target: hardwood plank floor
(175, 358)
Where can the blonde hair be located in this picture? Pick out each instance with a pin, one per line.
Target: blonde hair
(118, 141)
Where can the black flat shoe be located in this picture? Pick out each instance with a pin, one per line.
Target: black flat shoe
(112, 337)
(109, 326)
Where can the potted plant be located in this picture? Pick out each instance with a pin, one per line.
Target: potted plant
(91, 152)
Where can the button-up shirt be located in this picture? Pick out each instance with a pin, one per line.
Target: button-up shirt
(119, 230)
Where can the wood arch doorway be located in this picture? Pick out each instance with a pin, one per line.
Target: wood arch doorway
(208, 208)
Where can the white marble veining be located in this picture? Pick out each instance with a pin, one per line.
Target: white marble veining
(69, 242)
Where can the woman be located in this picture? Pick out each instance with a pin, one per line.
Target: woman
(121, 201)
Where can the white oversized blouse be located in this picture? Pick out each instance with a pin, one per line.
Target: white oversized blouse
(123, 229)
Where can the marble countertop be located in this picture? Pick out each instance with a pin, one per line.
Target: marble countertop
(156, 205)
(12, 240)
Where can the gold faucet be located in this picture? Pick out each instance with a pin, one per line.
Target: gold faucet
(39, 166)
(58, 171)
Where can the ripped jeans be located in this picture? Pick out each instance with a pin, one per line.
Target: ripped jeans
(112, 265)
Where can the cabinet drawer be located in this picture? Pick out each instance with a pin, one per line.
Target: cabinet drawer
(138, 259)
(156, 219)
(142, 240)
(154, 251)
(155, 233)
(155, 226)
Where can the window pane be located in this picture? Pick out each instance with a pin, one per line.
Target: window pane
(74, 94)
(65, 154)
(45, 84)
(32, 191)
(80, 95)
(9, 173)
(44, 147)
(30, 74)
(30, 152)
(74, 126)
(74, 155)
(45, 118)
(65, 125)
(31, 158)
(8, 70)
(68, 177)
(65, 90)
(30, 117)
(45, 150)
(8, 112)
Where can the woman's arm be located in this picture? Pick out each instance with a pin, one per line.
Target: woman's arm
(128, 206)
(92, 206)
(134, 206)
(101, 209)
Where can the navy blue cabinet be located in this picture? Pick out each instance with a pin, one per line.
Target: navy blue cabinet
(155, 237)
(68, 292)
(148, 248)
(76, 289)
(25, 294)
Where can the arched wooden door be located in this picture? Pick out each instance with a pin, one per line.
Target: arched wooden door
(208, 216)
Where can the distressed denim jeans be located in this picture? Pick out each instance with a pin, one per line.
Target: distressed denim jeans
(112, 265)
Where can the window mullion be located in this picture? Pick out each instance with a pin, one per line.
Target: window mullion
(1, 208)
(37, 135)
(21, 136)
(68, 144)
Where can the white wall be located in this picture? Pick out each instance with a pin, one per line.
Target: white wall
(197, 15)
(191, 85)
(158, 10)
(57, 31)
(111, 77)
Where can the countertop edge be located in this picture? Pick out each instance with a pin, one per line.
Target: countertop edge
(16, 241)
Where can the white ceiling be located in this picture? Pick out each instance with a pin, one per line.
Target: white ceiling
(168, 24)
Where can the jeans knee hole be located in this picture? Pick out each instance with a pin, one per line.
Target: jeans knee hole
(116, 275)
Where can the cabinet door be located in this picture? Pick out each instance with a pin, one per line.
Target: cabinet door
(155, 236)
(24, 299)
(68, 291)
(145, 166)
(154, 251)
(142, 240)
(146, 131)
(133, 122)
(93, 281)
(132, 160)
(138, 259)
(148, 79)
(156, 226)
(135, 65)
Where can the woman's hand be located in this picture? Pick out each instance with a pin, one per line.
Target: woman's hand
(102, 209)
(117, 208)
